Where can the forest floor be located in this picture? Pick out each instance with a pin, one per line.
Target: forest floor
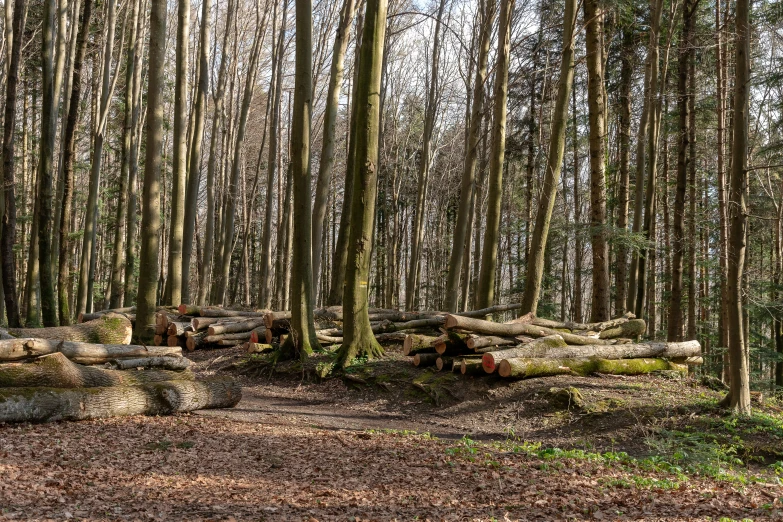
(395, 442)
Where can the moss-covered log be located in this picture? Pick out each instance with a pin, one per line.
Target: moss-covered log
(490, 360)
(56, 371)
(471, 366)
(164, 363)
(82, 353)
(164, 398)
(526, 368)
(479, 326)
(616, 351)
(110, 328)
(415, 343)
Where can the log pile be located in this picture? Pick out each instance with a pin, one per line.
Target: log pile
(208, 327)
(533, 347)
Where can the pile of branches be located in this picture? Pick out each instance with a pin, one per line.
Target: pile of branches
(210, 327)
(533, 347)
(89, 371)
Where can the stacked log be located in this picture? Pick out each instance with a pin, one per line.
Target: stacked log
(534, 347)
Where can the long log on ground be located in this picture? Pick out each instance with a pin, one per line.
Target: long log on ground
(83, 353)
(588, 327)
(238, 336)
(653, 349)
(110, 328)
(490, 360)
(202, 323)
(164, 398)
(475, 342)
(84, 317)
(56, 371)
(164, 363)
(425, 359)
(212, 311)
(239, 326)
(415, 343)
(515, 329)
(525, 368)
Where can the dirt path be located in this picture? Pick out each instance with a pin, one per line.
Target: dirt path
(261, 405)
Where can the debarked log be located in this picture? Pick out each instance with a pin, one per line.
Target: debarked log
(83, 353)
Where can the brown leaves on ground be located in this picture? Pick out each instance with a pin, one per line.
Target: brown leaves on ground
(206, 468)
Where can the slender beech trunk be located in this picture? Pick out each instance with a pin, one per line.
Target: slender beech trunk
(535, 270)
(578, 250)
(118, 261)
(173, 293)
(133, 168)
(462, 227)
(626, 78)
(684, 92)
(425, 160)
(358, 338)
(485, 293)
(87, 264)
(593, 17)
(265, 274)
(194, 171)
(656, 6)
(738, 398)
(69, 148)
(340, 258)
(720, 108)
(150, 205)
(693, 243)
(232, 189)
(302, 339)
(8, 237)
(326, 164)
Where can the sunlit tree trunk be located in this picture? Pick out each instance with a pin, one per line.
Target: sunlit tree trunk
(150, 214)
(462, 227)
(69, 139)
(535, 269)
(358, 338)
(485, 293)
(626, 78)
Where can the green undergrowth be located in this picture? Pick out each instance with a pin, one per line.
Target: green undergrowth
(737, 450)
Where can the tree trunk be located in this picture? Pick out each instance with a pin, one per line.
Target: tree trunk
(166, 398)
(358, 339)
(626, 79)
(593, 18)
(150, 219)
(49, 106)
(173, 293)
(466, 195)
(88, 258)
(485, 293)
(535, 270)
(8, 236)
(738, 398)
(194, 172)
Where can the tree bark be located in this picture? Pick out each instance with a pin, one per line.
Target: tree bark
(358, 339)
(466, 195)
(80, 352)
(626, 79)
(544, 345)
(485, 293)
(150, 220)
(535, 270)
(166, 398)
(8, 236)
(738, 398)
